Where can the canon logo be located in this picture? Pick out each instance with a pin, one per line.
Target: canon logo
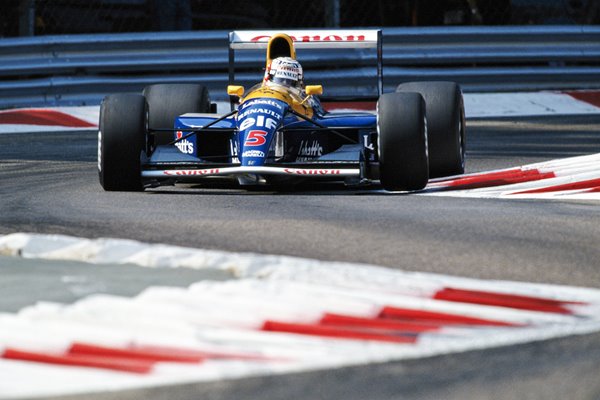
(316, 38)
(295, 171)
(192, 172)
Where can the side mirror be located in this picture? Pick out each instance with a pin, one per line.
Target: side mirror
(314, 89)
(235, 90)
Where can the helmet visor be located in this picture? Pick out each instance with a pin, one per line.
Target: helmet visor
(285, 81)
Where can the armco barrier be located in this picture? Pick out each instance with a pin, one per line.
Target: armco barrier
(81, 69)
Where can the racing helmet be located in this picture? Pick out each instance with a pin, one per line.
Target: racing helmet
(285, 71)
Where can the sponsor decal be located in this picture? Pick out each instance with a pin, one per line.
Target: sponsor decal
(286, 74)
(310, 148)
(249, 103)
(295, 171)
(185, 146)
(256, 138)
(315, 38)
(234, 148)
(192, 172)
(253, 153)
(259, 121)
(264, 111)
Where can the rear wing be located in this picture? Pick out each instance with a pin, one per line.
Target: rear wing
(310, 39)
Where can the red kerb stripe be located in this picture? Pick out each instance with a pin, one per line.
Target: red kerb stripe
(79, 360)
(43, 117)
(591, 97)
(589, 184)
(492, 179)
(504, 300)
(406, 314)
(175, 351)
(334, 332)
(150, 354)
(380, 323)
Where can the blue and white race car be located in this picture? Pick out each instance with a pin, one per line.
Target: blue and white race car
(277, 132)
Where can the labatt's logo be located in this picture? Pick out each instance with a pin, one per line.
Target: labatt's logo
(316, 38)
(185, 146)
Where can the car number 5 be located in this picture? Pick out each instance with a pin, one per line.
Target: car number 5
(256, 138)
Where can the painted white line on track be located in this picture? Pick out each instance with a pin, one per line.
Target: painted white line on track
(276, 315)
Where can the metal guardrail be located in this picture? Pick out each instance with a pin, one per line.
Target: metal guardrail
(82, 69)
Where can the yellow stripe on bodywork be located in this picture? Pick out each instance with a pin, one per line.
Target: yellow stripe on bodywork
(271, 93)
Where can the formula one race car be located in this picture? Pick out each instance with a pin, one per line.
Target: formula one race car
(278, 133)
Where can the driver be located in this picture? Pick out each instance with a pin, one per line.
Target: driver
(285, 71)
(284, 75)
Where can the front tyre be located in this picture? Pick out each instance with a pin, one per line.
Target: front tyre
(402, 141)
(121, 139)
(167, 101)
(445, 125)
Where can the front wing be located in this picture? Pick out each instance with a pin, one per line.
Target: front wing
(263, 170)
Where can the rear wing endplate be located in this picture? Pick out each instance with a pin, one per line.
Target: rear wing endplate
(310, 39)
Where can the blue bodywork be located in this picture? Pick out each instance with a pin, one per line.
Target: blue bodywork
(250, 135)
(257, 121)
(267, 133)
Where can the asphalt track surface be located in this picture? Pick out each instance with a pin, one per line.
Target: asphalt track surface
(48, 184)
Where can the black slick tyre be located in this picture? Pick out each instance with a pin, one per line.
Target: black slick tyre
(170, 100)
(402, 141)
(445, 125)
(121, 140)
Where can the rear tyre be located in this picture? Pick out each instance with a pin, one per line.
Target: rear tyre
(168, 101)
(121, 140)
(402, 141)
(445, 125)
